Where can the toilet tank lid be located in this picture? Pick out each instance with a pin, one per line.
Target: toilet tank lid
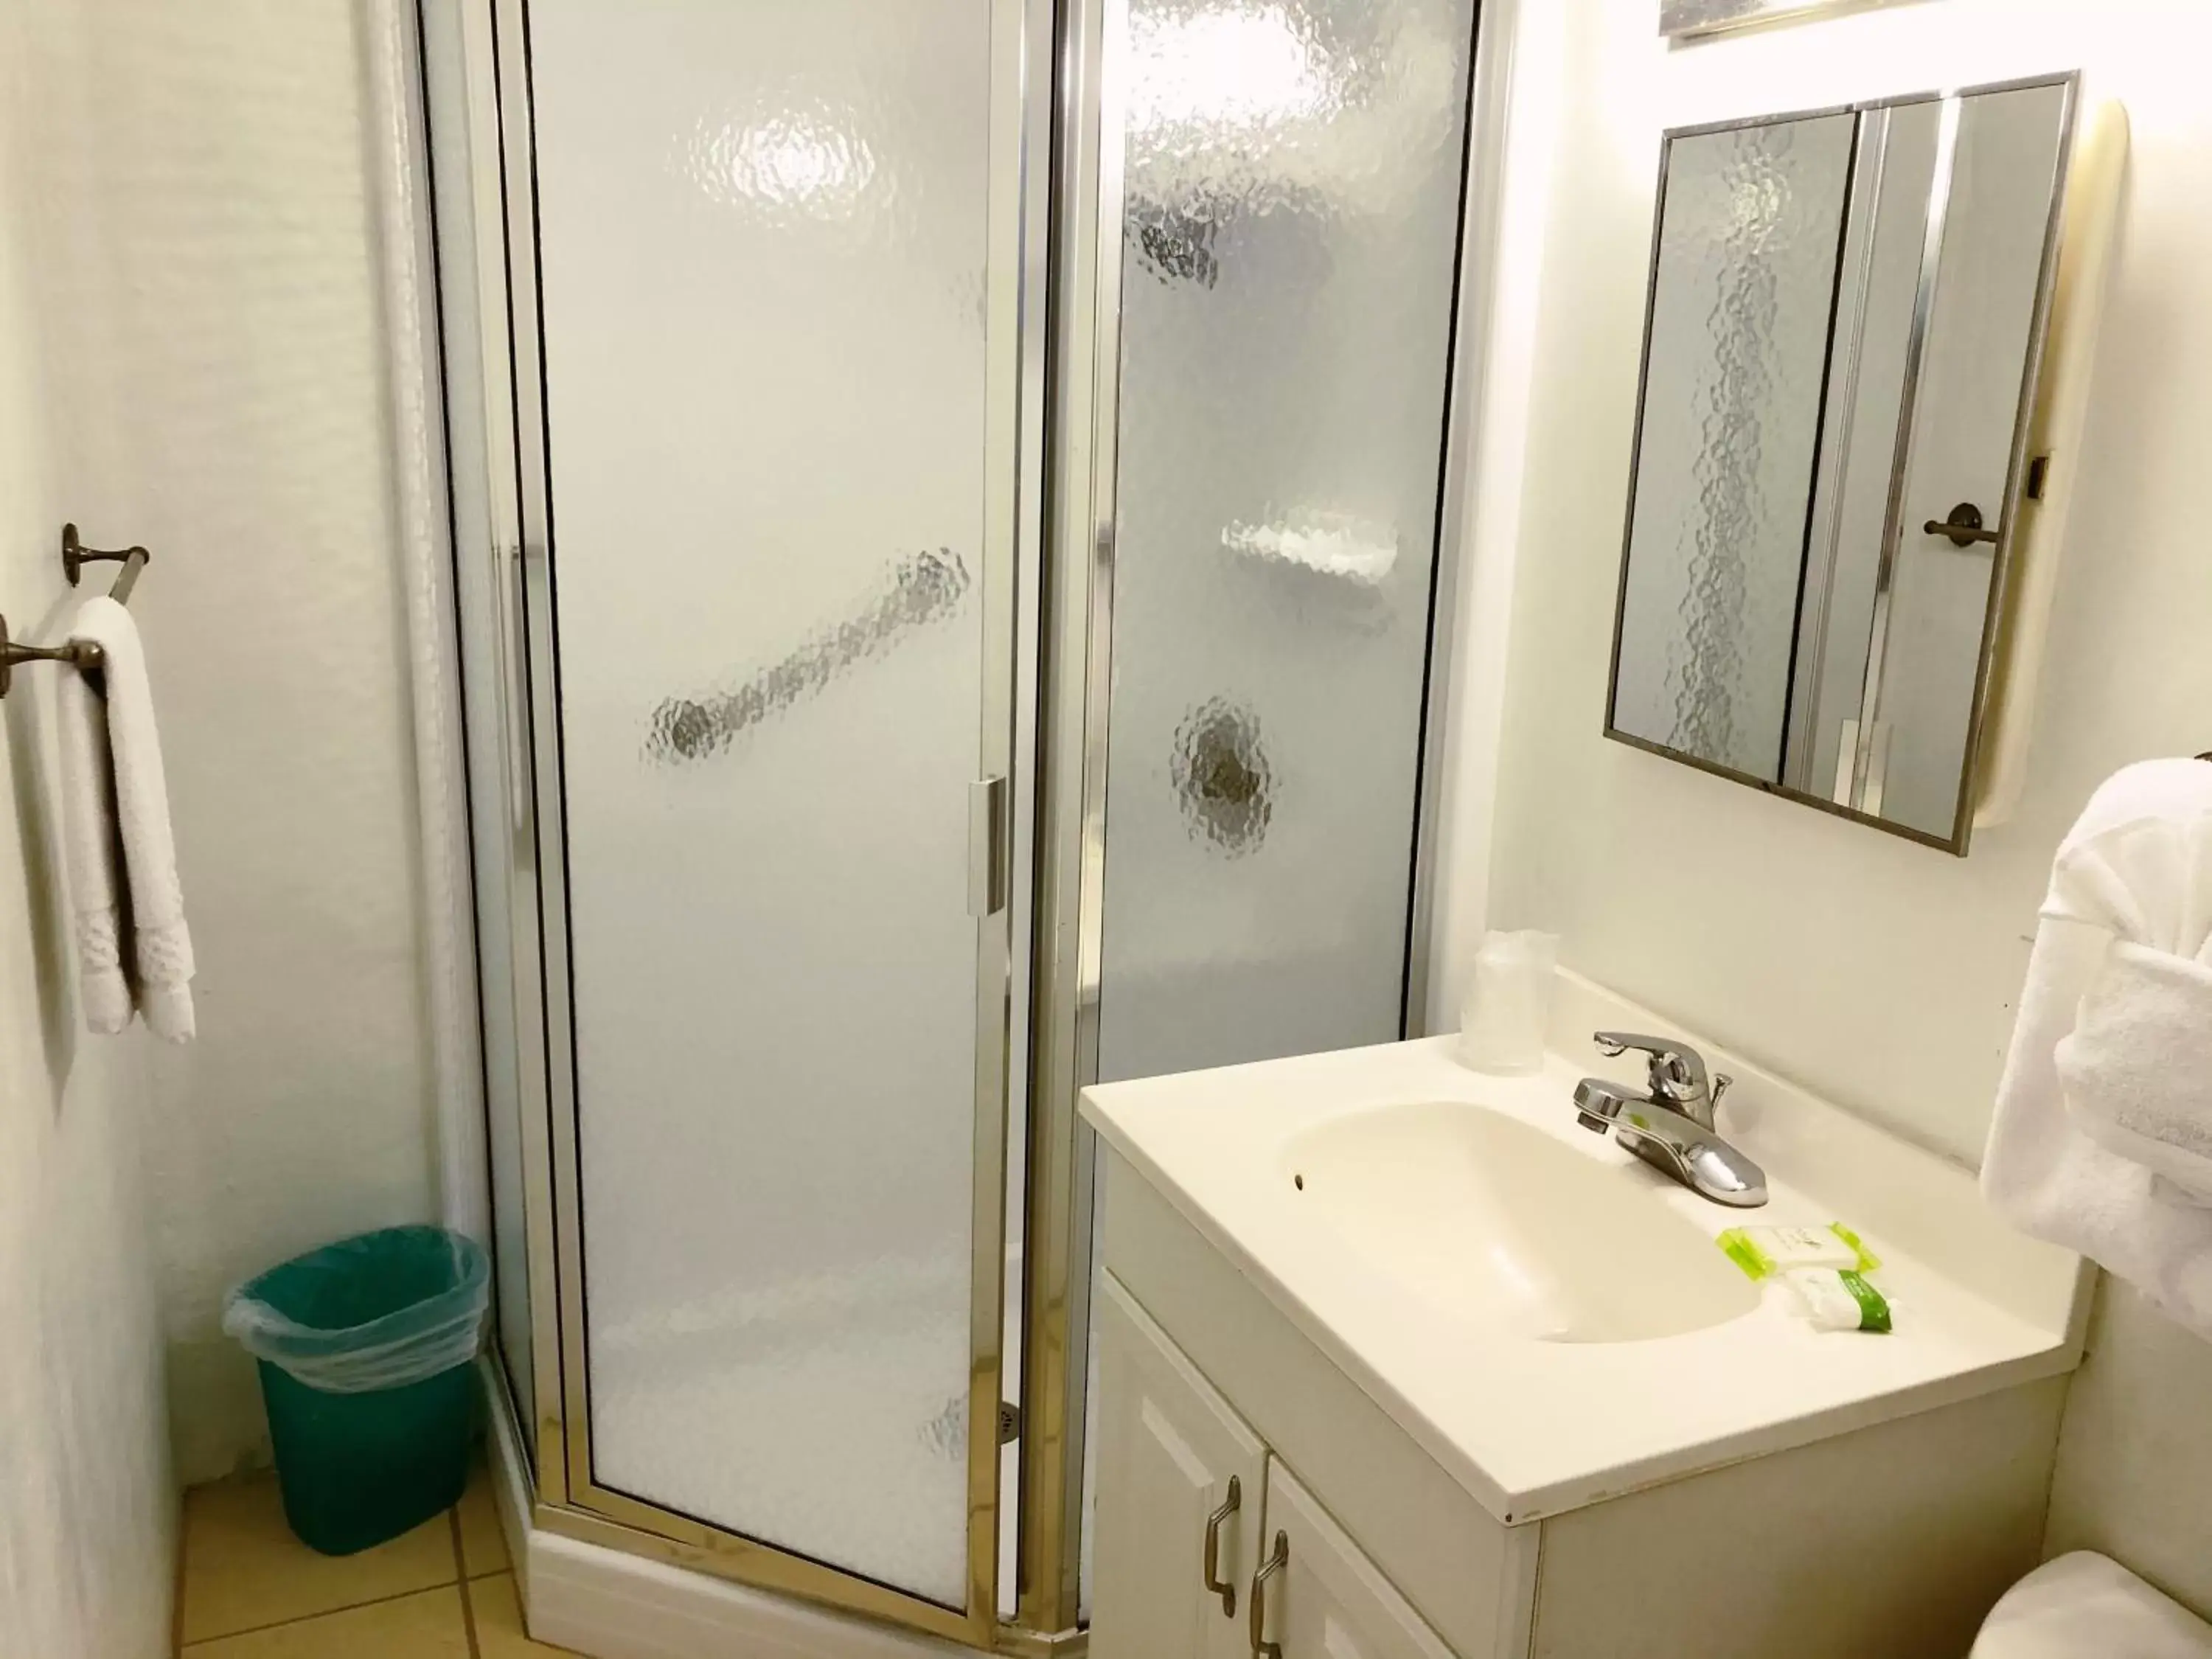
(2084, 1605)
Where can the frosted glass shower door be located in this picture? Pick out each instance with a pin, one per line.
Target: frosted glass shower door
(1292, 177)
(766, 237)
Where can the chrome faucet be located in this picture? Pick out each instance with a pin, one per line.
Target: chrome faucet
(1672, 1127)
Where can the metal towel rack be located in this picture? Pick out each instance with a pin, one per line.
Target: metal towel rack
(75, 556)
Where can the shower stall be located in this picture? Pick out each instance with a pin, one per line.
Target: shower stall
(951, 499)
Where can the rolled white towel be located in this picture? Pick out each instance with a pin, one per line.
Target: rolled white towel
(2136, 869)
(134, 950)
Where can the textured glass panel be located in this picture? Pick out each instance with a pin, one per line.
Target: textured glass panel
(1293, 178)
(1964, 422)
(763, 240)
(1740, 313)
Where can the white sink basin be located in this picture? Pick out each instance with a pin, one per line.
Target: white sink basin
(1547, 1317)
(1490, 1220)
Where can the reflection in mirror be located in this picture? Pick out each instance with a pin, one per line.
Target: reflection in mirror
(1845, 314)
(1739, 338)
(1881, 283)
(1925, 678)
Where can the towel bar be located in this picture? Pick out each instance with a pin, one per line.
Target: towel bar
(75, 556)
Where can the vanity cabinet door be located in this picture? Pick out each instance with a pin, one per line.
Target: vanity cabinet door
(1321, 1597)
(1169, 1451)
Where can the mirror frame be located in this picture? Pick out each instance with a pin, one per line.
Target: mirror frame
(1691, 20)
(2018, 465)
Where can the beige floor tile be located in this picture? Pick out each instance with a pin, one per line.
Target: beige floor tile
(243, 1568)
(483, 1547)
(428, 1625)
(498, 1611)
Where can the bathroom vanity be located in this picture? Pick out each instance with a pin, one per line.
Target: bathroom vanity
(1397, 1363)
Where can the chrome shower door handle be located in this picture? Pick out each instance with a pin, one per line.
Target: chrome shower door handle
(510, 597)
(1212, 1565)
(989, 874)
(1261, 1647)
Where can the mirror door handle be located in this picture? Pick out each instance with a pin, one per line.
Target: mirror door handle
(1963, 526)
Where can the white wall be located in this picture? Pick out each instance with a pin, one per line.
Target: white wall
(88, 1505)
(2135, 1453)
(1875, 971)
(214, 306)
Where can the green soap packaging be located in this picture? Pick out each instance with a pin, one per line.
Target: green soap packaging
(1763, 1252)
(1838, 1299)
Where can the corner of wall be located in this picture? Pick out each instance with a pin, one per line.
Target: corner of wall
(1509, 201)
(2134, 1462)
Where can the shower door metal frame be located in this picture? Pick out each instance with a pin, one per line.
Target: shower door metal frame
(1071, 814)
(491, 308)
(1062, 280)
(570, 1500)
(1075, 712)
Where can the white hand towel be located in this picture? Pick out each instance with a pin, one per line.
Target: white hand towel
(2137, 1068)
(133, 948)
(2136, 869)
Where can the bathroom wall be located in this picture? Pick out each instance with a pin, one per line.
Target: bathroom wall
(211, 309)
(88, 1505)
(1877, 971)
(2135, 1450)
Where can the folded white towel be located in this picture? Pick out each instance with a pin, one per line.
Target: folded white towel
(133, 948)
(2136, 871)
(2137, 1068)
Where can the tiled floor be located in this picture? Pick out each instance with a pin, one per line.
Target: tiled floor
(251, 1590)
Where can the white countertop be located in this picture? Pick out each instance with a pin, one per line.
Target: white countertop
(1530, 1427)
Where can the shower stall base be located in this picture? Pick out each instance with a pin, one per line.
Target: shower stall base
(609, 1593)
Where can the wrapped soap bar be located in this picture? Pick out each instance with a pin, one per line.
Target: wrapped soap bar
(1762, 1252)
(1839, 1299)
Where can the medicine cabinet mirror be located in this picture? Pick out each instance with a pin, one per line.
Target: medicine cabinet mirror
(1845, 317)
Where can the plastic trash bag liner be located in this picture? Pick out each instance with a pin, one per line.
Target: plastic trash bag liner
(378, 1311)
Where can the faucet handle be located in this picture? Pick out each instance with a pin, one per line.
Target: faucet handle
(1678, 1070)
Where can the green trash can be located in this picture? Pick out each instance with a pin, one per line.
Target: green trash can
(365, 1348)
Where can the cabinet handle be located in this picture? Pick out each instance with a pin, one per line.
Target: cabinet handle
(1214, 1583)
(1261, 1648)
